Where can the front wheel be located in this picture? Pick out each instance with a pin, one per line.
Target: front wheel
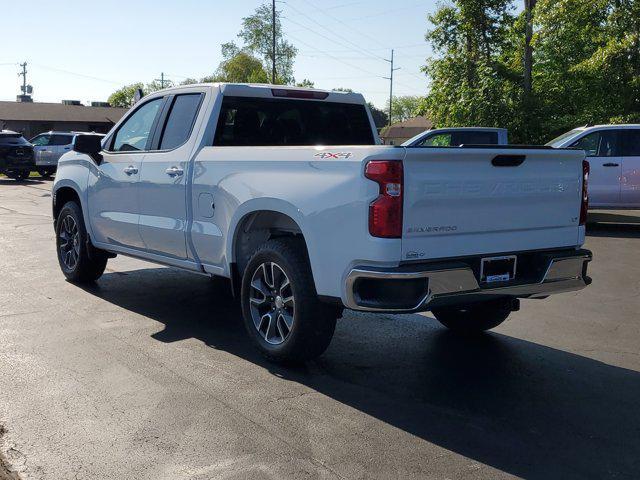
(76, 262)
(280, 306)
(476, 317)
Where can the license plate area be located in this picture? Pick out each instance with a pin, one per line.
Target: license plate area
(498, 269)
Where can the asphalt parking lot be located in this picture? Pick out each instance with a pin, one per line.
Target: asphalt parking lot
(148, 375)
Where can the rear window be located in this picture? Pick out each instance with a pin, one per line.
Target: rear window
(474, 138)
(277, 122)
(12, 139)
(180, 121)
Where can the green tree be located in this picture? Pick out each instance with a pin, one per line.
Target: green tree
(380, 117)
(470, 82)
(256, 35)
(306, 83)
(124, 97)
(405, 107)
(240, 67)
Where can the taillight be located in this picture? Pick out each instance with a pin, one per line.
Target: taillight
(585, 193)
(385, 212)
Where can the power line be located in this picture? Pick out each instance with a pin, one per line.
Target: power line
(59, 70)
(351, 28)
(391, 11)
(331, 39)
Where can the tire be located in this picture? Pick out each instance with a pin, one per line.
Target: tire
(45, 172)
(76, 262)
(277, 282)
(474, 318)
(19, 175)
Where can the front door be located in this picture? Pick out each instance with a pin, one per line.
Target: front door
(630, 185)
(163, 207)
(603, 153)
(114, 184)
(41, 149)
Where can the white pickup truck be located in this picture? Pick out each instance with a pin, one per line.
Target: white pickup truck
(285, 192)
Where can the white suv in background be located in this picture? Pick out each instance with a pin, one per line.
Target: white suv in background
(613, 152)
(49, 147)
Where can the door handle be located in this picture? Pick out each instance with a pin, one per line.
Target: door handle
(610, 164)
(130, 170)
(174, 171)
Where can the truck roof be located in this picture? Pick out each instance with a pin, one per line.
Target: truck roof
(276, 91)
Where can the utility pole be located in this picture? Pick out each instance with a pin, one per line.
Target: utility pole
(24, 78)
(162, 80)
(273, 41)
(390, 78)
(25, 89)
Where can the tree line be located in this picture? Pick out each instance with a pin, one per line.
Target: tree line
(538, 70)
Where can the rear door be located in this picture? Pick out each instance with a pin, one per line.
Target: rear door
(59, 144)
(163, 196)
(630, 183)
(468, 201)
(602, 148)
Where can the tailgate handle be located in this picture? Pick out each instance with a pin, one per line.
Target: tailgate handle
(508, 160)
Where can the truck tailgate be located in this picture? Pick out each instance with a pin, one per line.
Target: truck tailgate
(470, 201)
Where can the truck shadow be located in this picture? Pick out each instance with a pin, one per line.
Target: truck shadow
(524, 408)
(613, 230)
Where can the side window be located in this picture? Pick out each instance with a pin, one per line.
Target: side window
(60, 139)
(134, 133)
(180, 120)
(599, 144)
(41, 140)
(631, 143)
(437, 140)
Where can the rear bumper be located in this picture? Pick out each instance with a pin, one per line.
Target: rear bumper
(425, 286)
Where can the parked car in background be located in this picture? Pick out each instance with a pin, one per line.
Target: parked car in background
(287, 193)
(49, 147)
(16, 155)
(454, 137)
(613, 152)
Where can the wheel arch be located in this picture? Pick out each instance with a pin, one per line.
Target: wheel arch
(62, 194)
(255, 225)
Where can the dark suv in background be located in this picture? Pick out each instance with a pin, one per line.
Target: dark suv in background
(16, 155)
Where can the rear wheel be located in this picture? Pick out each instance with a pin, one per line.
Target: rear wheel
(476, 317)
(77, 263)
(19, 175)
(46, 172)
(281, 309)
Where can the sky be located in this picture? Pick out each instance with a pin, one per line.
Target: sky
(77, 51)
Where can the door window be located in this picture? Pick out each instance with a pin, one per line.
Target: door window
(599, 144)
(631, 143)
(41, 140)
(437, 140)
(133, 134)
(180, 120)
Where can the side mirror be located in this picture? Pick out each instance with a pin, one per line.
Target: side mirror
(90, 145)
